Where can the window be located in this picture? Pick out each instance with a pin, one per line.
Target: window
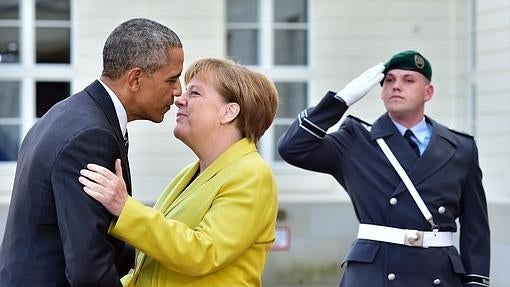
(272, 36)
(52, 31)
(290, 32)
(10, 120)
(49, 93)
(293, 99)
(9, 31)
(243, 32)
(35, 58)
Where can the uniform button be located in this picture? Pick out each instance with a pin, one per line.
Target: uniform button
(441, 209)
(391, 276)
(393, 201)
(437, 282)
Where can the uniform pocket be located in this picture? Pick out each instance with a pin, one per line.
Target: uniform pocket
(362, 251)
(457, 265)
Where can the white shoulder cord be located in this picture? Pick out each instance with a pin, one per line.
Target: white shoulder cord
(405, 178)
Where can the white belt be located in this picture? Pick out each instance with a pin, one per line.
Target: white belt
(406, 237)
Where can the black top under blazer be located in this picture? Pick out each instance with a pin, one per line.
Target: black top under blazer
(56, 235)
(447, 177)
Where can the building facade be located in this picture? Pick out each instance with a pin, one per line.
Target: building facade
(52, 48)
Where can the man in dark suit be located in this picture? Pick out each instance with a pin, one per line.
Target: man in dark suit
(405, 236)
(55, 234)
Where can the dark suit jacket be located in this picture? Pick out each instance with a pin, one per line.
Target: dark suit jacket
(56, 235)
(447, 177)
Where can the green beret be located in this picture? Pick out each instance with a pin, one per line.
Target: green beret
(409, 60)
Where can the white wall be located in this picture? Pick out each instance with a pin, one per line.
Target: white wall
(347, 37)
(493, 100)
(493, 123)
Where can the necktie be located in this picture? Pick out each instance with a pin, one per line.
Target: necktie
(408, 134)
(126, 140)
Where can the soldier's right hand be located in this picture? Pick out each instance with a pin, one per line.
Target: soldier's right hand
(360, 86)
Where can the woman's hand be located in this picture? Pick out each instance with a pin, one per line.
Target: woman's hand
(104, 186)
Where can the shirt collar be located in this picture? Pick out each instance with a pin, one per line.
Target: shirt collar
(420, 130)
(119, 108)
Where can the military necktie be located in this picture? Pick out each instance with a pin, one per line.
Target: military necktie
(408, 134)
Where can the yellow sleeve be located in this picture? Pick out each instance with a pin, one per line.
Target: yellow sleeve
(242, 213)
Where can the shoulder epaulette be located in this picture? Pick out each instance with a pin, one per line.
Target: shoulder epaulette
(462, 133)
(359, 120)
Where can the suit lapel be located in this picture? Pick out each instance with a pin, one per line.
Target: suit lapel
(166, 202)
(97, 92)
(179, 190)
(186, 188)
(233, 153)
(386, 129)
(439, 150)
(175, 193)
(176, 188)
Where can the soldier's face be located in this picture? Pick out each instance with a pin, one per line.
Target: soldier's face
(405, 92)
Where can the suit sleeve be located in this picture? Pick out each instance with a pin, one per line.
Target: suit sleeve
(83, 222)
(218, 239)
(306, 143)
(474, 227)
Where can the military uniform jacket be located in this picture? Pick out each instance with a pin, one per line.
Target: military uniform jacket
(447, 177)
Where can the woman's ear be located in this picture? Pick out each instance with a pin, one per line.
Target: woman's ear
(230, 112)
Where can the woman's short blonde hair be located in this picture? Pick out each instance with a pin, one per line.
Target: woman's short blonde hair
(252, 91)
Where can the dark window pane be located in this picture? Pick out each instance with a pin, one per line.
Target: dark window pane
(242, 11)
(278, 131)
(242, 46)
(9, 142)
(9, 45)
(9, 9)
(290, 11)
(292, 99)
(290, 47)
(48, 94)
(53, 45)
(9, 99)
(52, 10)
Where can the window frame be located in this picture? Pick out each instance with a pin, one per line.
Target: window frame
(27, 72)
(280, 73)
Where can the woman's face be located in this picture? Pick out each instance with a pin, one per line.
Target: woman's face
(199, 110)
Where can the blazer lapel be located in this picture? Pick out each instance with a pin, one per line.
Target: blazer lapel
(97, 92)
(186, 188)
(233, 153)
(181, 187)
(176, 188)
(438, 152)
(386, 129)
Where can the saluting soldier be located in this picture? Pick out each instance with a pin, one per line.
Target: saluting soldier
(409, 179)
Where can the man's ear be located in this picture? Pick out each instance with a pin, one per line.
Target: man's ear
(133, 78)
(429, 92)
(229, 113)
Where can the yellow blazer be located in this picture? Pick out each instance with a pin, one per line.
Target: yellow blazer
(216, 230)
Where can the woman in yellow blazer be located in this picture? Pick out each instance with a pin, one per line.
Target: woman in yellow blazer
(214, 223)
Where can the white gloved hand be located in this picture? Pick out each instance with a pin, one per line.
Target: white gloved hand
(360, 86)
